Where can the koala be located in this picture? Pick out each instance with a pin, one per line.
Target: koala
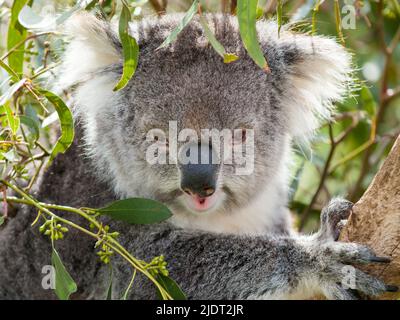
(230, 235)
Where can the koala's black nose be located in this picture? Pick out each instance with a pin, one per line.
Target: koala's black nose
(198, 173)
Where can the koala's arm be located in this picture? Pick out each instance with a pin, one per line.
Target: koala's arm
(207, 266)
(210, 266)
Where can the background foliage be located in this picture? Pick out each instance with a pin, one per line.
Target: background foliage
(36, 124)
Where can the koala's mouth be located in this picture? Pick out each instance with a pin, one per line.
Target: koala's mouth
(199, 204)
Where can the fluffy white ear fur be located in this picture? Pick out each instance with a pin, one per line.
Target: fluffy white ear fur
(321, 77)
(90, 49)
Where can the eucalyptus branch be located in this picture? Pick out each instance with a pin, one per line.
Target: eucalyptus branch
(101, 236)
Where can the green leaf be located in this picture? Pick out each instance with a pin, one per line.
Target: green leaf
(368, 101)
(294, 185)
(137, 211)
(184, 22)
(109, 289)
(1, 220)
(65, 285)
(10, 71)
(338, 19)
(66, 121)
(12, 119)
(247, 16)
(32, 127)
(260, 13)
(170, 286)
(230, 57)
(16, 34)
(279, 10)
(130, 49)
(396, 6)
(218, 47)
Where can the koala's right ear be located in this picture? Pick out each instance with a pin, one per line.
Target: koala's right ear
(94, 45)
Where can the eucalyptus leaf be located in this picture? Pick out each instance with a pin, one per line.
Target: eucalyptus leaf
(65, 285)
(137, 211)
(130, 49)
(279, 10)
(66, 121)
(32, 127)
(171, 287)
(1, 220)
(16, 34)
(184, 22)
(109, 289)
(12, 119)
(247, 16)
(368, 101)
(218, 47)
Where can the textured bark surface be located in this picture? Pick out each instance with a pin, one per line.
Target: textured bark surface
(375, 220)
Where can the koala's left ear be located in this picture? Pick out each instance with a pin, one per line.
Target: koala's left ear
(316, 72)
(94, 45)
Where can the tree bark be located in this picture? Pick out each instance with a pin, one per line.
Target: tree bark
(375, 220)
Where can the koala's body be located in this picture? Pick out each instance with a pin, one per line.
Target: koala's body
(230, 235)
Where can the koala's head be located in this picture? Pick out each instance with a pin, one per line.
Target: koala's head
(150, 138)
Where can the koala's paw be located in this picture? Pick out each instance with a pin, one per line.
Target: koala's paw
(341, 280)
(333, 218)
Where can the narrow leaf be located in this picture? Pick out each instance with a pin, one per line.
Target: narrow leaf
(137, 211)
(1, 220)
(10, 71)
(32, 127)
(368, 101)
(218, 47)
(184, 22)
(171, 287)
(130, 49)
(65, 285)
(279, 9)
(109, 289)
(338, 19)
(66, 123)
(12, 119)
(247, 16)
(16, 33)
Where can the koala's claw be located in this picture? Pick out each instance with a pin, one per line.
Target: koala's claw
(381, 259)
(392, 288)
(336, 260)
(334, 217)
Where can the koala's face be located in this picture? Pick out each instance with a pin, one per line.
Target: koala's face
(172, 121)
(193, 132)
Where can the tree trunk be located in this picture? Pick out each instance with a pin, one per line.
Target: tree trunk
(375, 220)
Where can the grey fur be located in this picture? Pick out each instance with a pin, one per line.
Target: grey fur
(188, 82)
